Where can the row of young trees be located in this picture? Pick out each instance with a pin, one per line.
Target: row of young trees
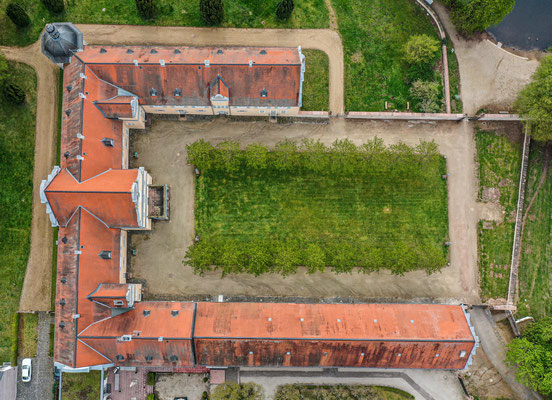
(212, 11)
(269, 255)
(342, 157)
(11, 90)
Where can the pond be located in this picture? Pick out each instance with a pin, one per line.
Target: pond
(527, 27)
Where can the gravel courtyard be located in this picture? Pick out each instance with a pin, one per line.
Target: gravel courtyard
(160, 253)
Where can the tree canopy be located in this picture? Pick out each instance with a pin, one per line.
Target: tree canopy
(471, 16)
(532, 354)
(534, 102)
(234, 391)
(212, 11)
(420, 49)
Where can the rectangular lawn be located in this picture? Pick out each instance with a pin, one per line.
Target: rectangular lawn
(263, 220)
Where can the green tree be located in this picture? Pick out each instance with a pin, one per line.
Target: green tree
(284, 9)
(346, 159)
(201, 154)
(426, 96)
(286, 155)
(234, 391)
(534, 364)
(147, 8)
(256, 156)
(55, 6)
(18, 15)
(13, 93)
(534, 102)
(228, 155)
(212, 11)
(315, 155)
(471, 16)
(315, 258)
(420, 49)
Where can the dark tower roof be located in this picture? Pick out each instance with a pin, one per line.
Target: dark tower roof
(60, 41)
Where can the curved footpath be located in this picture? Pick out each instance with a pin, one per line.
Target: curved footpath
(36, 291)
(320, 39)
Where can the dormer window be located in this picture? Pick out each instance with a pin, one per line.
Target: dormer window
(120, 357)
(264, 93)
(146, 313)
(149, 358)
(108, 142)
(174, 358)
(177, 92)
(105, 254)
(153, 92)
(174, 313)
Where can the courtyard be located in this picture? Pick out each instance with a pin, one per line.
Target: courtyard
(162, 151)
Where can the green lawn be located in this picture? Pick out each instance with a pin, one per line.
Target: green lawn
(17, 127)
(535, 271)
(238, 13)
(389, 210)
(499, 163)
(340, 392)
(28, 324)
(316, 87)
(374, 33)
(81, 386)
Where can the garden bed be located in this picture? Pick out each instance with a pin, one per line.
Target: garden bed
(371, 206)
(340, 392)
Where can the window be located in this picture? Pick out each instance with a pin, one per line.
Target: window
(264, 93)
(118, 302)
(462, 354)
(153, 92)
(106, 255)
(177, 92)
(108, 142)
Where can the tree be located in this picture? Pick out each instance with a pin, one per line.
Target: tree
(55, 6)
(212, 11)
(284, 9)
(147, 8)
(286, 155)
(420, 49)
(18, 15)
(228, 156)
(315, 155)
(256, 156)
(234, 391)
(534, 102)
(426, 96)
(477, 15)
(532, 354)
(14, 93)
(201, 154)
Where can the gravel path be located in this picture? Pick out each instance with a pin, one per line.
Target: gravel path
(36, 292)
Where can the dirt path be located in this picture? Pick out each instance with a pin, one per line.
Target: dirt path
(36, 292)
(331, 13)
(320, 39)
(489, 76)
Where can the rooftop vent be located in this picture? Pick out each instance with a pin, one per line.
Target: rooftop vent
(63, 280)
(174, 358)
(130, 51)
(220, 52)
(264, 93)
(64, 239)
(62, 324)
(153, 92)
(153, 51)
(105, 254)
(263, 52)
(68, 112)
(108, 142)
(126, 338)
(176, 51)
(102, 50)
(62, 302)
(149, 358)
(177, 92)
(146, 313)
(174, 313)
(66, 154)
(120, 357)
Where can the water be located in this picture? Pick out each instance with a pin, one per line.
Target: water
(527, 27)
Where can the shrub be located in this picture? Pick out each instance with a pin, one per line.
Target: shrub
(426, 96)
(205, 395)
(55, 6)
(150, 379)
(284, 9)
(147, 8)
(151, 396)
(243, 391)
(212, 11)
(420, 49)
(14, 93)
(18, 15)
(14, 339)
(4, 68)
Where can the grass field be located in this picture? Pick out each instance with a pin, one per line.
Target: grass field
(535, 271)
(17, 127)
(499, 163)
(82, 386)
(238, 13)
(374, 217)
(316, 87)
(28, 333)
(340, 392)
(374, 33)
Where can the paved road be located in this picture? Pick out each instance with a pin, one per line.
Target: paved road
(40, 387)
(493, 345)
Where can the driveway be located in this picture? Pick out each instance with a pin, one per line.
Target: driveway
(40, 386)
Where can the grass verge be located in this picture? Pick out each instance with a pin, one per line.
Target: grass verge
(28, 334)
(344, 206)
(374, 33)
(499, 160)
(238, 14)
(17, 124)
(316, 87)
(81, 386)
(340, 392)
(454, 80)
(535, 271)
